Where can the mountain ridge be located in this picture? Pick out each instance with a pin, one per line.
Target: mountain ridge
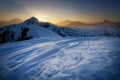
(33, 28)
(12, 21)
(68, 23)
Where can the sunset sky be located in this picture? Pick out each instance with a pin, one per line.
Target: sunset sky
(60, 10)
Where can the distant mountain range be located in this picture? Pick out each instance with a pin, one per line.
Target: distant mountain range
(69, 23)
(66, 23)
(13, 21)
(32, 28)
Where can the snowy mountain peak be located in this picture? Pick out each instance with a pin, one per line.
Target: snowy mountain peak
(32, 20)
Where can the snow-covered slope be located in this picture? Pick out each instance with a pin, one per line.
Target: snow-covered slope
(26, 30)
(34, 30)
(61, 59)
(98, 30)
(39, 32)
(105, 30)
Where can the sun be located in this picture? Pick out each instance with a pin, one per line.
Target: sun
(42, 18)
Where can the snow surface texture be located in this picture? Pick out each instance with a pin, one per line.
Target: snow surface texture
(63, 59)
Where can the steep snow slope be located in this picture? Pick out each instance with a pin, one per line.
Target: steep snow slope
(40, 32)
(63, 59)
(34, 31)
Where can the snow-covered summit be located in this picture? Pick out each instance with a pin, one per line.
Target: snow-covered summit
(27, 30)
(32, 20)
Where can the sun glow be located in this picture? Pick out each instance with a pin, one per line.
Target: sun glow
(42, 18)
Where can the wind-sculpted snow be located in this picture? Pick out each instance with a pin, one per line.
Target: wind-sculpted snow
(64, 59)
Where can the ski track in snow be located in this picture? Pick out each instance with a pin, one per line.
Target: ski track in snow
(64, 59)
